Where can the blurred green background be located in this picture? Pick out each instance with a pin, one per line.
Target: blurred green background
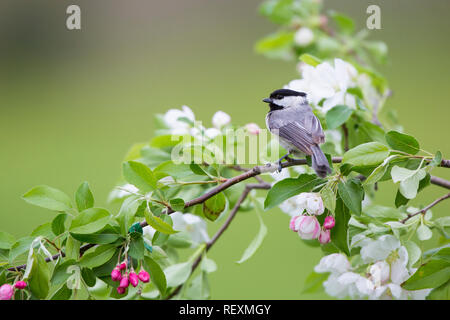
(72, 102)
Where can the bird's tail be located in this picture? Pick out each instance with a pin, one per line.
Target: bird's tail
(319, 162)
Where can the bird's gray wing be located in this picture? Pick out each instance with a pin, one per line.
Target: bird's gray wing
(297, 135)
(312, 125)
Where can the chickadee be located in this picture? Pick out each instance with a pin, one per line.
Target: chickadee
(291, 118)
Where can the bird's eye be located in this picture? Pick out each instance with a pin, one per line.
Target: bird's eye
(279, 97)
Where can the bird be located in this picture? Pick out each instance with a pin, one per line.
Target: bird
(291, 118)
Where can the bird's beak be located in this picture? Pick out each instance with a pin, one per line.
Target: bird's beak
(267, 100)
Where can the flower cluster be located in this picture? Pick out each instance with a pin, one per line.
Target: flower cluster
(328, 83)
(307, 225)
(7, 290)
(119, 273)
(386, 267)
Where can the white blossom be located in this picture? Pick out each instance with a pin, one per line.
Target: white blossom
(387, 269)
(303, 37)
(220, 119)
(327, 82)
(192, 224)
(174, 120)
(334, 263)
(309, 201)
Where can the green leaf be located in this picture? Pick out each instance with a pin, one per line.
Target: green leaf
(424, 233)
(168, 140)
(313, 282)
(178, 171)
(409, 180)
(339, 234)
(400, 200)
(177, 204)
(158, 224)
(275, 45)
(286, 188)
(440, 293)
(157, 275)
(198, 288)
(84, 197)
(436, 160)
(63, 293)
(98, 256)
(367, 154)
(337, 116)
(345, 23)
(179, 240)
(414, 252)
(88, 277)
(328, 197)
(136, 248)
(310, 59)
(402, 142)
(96, 238)
(430, 275)
(379, 171)
(58, 226)
(177, 274)
(160, 238)
(60, 274)
(214, 206)
(256, 242)
(44, 230)
(72, 248)
(90, 221)
(6, 240)
(352, 193)
(140, 175)
(39, 277)
(19, 247)
(48, 197)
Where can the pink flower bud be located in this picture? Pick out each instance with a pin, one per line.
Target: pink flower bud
(329, 222)
(116, 275)
(252, 128)
(134, 280)
(121, 290)
(308, 227)
(6, 292)
(122, 266)
(144, 276)
(124, 282)
(292, 224)
(324, 236)
(20, 285)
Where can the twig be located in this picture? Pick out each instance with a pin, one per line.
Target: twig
(440, 182)
(428, 207)
(209, 244)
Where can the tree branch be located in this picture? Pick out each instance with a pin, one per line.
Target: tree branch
(209, 244)
(428, 207)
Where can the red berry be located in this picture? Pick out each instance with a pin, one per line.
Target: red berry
(122, 266)
(121, 290)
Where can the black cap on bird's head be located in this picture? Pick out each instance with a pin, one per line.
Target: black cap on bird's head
(277, 98)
